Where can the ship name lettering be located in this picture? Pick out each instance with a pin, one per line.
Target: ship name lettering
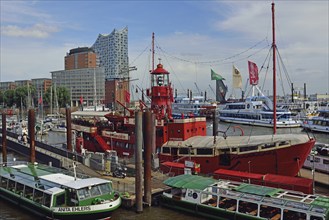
(64, 209)
(79, 209)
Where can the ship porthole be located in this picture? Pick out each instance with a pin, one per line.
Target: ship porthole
(195, 195)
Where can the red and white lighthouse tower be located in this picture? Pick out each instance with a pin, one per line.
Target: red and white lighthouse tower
(161, 93)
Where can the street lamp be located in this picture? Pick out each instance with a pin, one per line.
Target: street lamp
(313, 153)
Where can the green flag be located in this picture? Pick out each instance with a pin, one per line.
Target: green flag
(215, 76)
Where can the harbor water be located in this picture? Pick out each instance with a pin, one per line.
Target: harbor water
(8, 211)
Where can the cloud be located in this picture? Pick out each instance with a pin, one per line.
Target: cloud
(35, 31)
(21, 12)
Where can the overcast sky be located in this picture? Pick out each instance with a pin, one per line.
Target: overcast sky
(191, 38)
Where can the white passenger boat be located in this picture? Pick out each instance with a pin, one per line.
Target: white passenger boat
(257, 110)
(219, 199)
(318, 123)
(319, 158)
(49, 193)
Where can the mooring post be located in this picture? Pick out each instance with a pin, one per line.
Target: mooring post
(138, 160)
(4, 138)
(31, 125)
(147, 124)
(68, 129)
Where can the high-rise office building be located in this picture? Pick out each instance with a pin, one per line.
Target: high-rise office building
(82, 76)
(81, 57)
(87, 84)
(112, 51)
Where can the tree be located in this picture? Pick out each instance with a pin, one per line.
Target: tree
(9, 97)
(2, 98)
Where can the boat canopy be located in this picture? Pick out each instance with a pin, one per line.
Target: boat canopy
(188, 181)
(257, 190)
(85, 183)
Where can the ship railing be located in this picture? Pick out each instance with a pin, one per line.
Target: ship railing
(13, 163)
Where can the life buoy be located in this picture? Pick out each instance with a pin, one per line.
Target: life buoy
(242, 132)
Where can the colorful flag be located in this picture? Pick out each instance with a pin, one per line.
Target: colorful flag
(40, 100)
(127, 96)
(237, 79)
(81, 100)
(215, 76)
(253, 73)
(221, 90)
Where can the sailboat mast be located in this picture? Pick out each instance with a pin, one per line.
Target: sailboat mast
(51, 99)
(274, 71)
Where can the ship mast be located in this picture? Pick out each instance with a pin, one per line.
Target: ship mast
(274, 71)
(153, 51)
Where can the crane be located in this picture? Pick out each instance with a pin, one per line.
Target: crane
(196, 85)
(212, 90)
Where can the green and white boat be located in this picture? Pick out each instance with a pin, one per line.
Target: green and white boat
(49, 193)
(219, 199)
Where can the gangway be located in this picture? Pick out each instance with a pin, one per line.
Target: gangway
(102, 143)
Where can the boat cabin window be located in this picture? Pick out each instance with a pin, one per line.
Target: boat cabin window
(28, 192)
(38, 196)
(248, 208)
(95, 191)
(227, 203)
(282, 143)
(249, 148)
(11, 185)
(60, 199)
(209, 199)
(105, 188)
(270, 145)
(184, 150)
(166, 150)
(325, 161)
(72, 197)
(293, 215)
(270, 212)
(19, 188)
(203, 151)
(83, 193)
(4, 182)
(46, 199)
(178, 192)
(315, 218)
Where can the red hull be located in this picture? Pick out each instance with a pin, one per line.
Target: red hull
(286, 161)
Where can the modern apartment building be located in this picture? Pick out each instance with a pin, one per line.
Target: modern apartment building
(112, 51)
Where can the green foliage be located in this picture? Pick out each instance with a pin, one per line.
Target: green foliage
(22, 96)
(9, 97)
(26, 96)
(62, 96)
